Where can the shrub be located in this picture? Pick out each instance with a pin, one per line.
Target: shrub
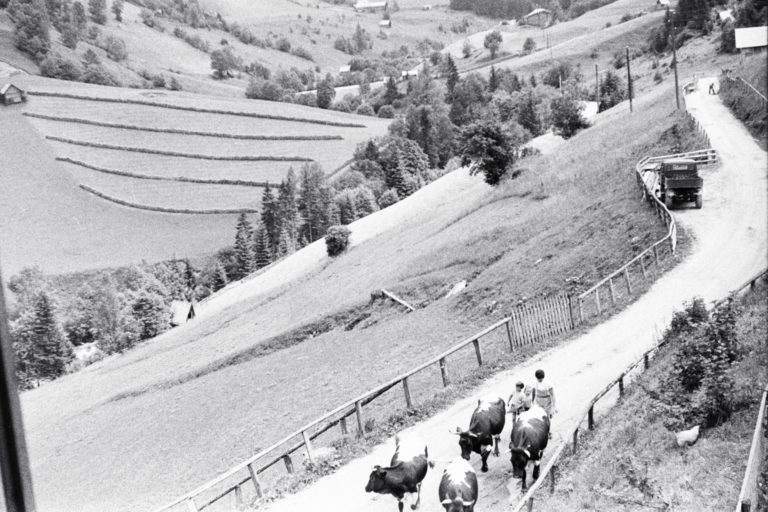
(365, 109)
(302, 53)
(283, 45)
(115, 48)
(566, 117)
(96, 74)
(337, 240)
(386, 112)
(388, 198)
(529, 45)
(56, 66)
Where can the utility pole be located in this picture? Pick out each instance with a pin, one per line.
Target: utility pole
(674, 61)
(629, 81)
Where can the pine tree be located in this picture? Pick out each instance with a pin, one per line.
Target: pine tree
(269, 214)
(452, 74)
(285, 244)
(346, 204)
(527, 117)
(79, 17)
(98, 11)
(262, 247)
(288, 208)
(244, 255)
(365, 201)
(52, 352)
(532, 81)
(493, 80)
(390, 91)
(117, 9)
(219, 278)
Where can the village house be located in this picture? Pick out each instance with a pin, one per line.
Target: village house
(10, 94)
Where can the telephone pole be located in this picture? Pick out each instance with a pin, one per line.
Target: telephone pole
(674, 61)
(629, 81)
(597, 87)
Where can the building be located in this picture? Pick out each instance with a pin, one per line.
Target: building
(540, 17)
(751, 37)
(10, 94)
(365, 5)
(385, 24)
(345, 69)
(181, 312)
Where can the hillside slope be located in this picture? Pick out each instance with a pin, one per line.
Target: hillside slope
(731, 245)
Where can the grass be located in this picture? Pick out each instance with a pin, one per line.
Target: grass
(745, 103)
(631, 462)
(495, 245)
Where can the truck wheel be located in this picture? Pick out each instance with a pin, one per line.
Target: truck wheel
(668, 202)
(698, 202)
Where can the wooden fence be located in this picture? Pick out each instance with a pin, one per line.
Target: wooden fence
(572, 439)
(748, 497)
(528, 322)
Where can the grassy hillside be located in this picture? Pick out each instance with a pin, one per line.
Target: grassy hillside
(631, 462)
(744, 102)
(202, 392)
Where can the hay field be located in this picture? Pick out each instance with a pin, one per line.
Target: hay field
(202, 392)
(117, 138)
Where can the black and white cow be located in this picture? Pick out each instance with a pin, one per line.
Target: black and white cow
(530, 434)
(404, 474)
(458, 487)
(485, 427)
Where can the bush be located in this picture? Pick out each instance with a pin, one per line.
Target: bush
(283, 45)
(529, 45)
(56, 66)
(365, 109)
(302, 53)
(115, 48)
(337, 240)
(388, 198)
(386, 112)
(566, 117)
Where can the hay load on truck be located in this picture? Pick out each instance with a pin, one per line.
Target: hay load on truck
(678, 181)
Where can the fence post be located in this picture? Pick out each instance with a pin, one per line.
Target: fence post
(476, 343)
(530, 504)
(191, 507)
(444, 372)
(626, 279)
(575, 439)
(407, 392)
(646, 361)
(642, 265)
(238, 496)
(581, 311)
(255, 480)
(509, 337)
(343, 423)
(597, 301)
(746, 506)
(359, 414)
(308, 445)
(570, 312)
(621, 385)
(591, 417)
(288, 464)
(612, 292)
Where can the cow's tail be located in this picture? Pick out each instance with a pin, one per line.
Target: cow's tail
(430, 462)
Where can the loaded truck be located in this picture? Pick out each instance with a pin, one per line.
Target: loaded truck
(678, 181)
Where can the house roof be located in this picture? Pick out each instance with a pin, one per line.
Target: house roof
(663, 2)
(180, 311)
(540, 10)
(751, 37)
(725, 15)
(345, 69)
(7, 86)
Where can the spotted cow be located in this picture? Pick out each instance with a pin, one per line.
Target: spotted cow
(530, 434)
(406, 470)
(484, 432)
(458, 487)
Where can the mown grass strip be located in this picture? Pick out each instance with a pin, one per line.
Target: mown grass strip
(179, 154)
(126, 174)
(196, 109)
(177, 131)
(165, 210)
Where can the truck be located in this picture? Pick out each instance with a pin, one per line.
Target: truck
(678, 181)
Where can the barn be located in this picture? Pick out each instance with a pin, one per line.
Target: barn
(541, 18)
(181, 312)
(10, 94)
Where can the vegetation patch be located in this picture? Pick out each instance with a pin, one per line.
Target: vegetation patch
(746, 103)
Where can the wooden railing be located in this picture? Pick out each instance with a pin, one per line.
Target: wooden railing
(748, 497)
(651, 255)
(572, 439)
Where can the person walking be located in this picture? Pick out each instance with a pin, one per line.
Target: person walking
(544, 393)
(712, 88)
(519, 401)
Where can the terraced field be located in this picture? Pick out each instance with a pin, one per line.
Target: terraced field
(183, 153)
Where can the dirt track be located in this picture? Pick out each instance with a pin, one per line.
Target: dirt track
(729, 247)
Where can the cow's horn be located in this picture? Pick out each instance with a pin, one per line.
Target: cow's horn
(467, 503)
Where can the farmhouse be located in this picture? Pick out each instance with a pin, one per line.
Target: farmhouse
(538, 18)
(10, 94)
(181, 312)
(365, 5)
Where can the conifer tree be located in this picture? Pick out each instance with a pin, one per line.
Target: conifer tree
(284, 245)
(365, 201)
(452, 74)
(493, 80)
(390, 91)
(79, 17)
(288, 209)
(527, 117)
(117, 9)
(269, 214)
(262, 247)
(244, 255)
(98, 11)
(219, 278)
(51, 352)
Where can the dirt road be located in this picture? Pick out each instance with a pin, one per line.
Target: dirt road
(729, 247)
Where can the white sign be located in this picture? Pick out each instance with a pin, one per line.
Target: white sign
(752, 37)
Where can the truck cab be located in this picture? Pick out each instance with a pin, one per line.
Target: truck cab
(679, 182)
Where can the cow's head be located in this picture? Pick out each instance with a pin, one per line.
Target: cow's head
(377, 480)
(468, 442)
(519, 458)
(456, 504)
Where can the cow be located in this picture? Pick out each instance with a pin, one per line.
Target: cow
(485, 427)
(458, 487)
(406, 470)
(530, 434)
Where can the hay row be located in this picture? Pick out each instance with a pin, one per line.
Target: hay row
(196, 109)
(165, 210)
(183, 179)
(179, 131)
(179, 154)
